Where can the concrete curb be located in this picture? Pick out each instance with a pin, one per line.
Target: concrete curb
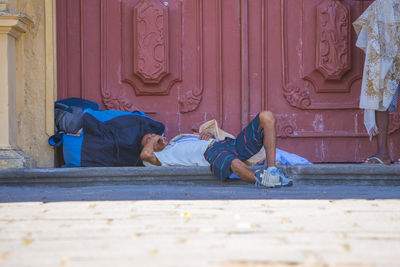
(344, 171)
(318, 173)
(106, 175)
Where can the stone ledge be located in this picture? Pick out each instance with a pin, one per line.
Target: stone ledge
(344, 171)
(13, 159)
(318, 173)
(106, 175)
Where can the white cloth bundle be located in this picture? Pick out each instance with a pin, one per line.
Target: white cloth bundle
(378, 30)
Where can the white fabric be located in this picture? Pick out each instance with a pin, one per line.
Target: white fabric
(370, 122)
(378, 30)
(187, 153)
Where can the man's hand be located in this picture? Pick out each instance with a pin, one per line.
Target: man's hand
(159, 142)
(205, 136)
(152, 144)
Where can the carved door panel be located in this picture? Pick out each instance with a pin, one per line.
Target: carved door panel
(162, 57)
(315, 83)
(188, 61)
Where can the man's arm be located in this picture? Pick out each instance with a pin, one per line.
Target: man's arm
(147, 153)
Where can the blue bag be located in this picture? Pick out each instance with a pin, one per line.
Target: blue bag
(73, 146)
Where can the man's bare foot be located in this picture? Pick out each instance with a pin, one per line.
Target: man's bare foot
(384, 160)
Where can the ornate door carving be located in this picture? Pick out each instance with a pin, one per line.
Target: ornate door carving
(151, 55)
(321, 81)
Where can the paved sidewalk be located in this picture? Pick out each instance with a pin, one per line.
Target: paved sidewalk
(334, 215)
(201, 233)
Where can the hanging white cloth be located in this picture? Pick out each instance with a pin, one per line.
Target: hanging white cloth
(378, 30)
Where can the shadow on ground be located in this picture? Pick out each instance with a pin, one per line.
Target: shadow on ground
(193, 191)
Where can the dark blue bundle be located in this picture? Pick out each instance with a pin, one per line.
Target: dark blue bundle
(116, 142)
(107, 138)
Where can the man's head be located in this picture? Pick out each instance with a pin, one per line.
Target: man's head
(160, 142)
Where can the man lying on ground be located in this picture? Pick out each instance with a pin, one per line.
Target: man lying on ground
(224, 156)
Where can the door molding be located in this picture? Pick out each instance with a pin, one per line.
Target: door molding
(51, 63)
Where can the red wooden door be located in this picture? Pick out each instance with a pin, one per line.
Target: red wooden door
(188, 61)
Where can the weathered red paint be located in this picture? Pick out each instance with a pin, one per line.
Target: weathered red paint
(185, 62)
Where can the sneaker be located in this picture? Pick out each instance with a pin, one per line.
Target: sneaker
(267, 179)
(284, 181)
(271, 177)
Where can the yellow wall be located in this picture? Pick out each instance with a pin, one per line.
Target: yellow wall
(36, 80)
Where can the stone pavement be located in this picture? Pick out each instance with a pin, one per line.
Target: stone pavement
(201, 233)
(127, 217)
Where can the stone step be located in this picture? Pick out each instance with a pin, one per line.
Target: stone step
(304, 174)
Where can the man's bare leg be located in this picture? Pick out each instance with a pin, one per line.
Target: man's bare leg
(267, 123)
(240, 169)
(382, 121)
